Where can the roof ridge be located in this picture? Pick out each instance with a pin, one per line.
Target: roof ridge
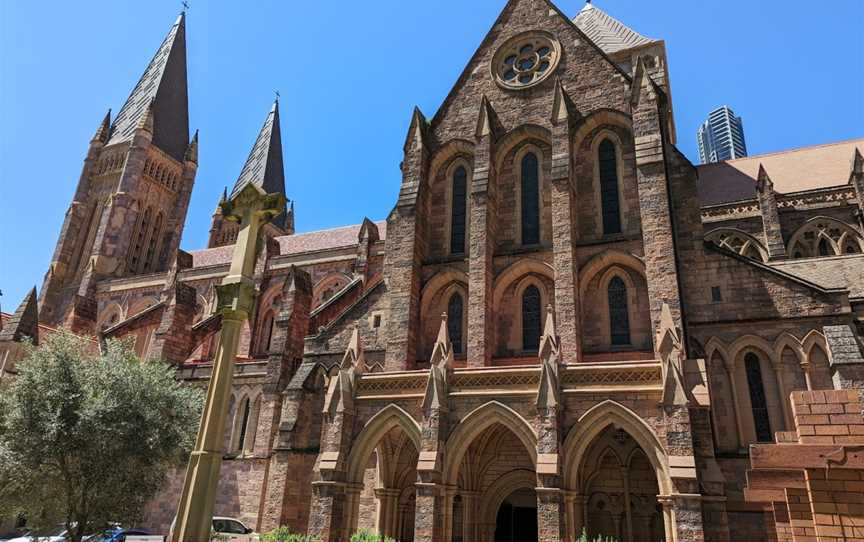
(611, 34)
(376, 222)
(787, 151)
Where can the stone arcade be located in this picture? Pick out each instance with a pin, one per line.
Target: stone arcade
(561, 324)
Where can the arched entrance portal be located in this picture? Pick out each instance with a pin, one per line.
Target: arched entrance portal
(516, 520)
(620, 490)
(381, 476)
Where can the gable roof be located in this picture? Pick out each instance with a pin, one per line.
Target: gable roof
(313, 241)
(606, 31)
(264, 167)
(164, 85)
(795, 170)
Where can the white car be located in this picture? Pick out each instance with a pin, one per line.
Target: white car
(54, 534)
(234, 530)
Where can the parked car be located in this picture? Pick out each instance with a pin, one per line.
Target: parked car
(234, 530)
(13, 534)
(53, 534)
(122, 535)
(227, 528)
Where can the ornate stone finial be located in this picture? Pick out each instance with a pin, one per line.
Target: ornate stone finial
(857, 162)
(549, 344)
(763, 181)
(486, 120)
(442, 352)
(146, 121)
(104, 131)
(416, 138)
(561, 105)
(353, 358)
(192, 150)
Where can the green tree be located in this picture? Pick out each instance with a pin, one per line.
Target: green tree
(368, 536)
(284, 534)
(87, 438)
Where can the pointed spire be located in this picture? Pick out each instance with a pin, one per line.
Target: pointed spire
(416, 138)
(857, 162)
(642, 85)
(264, 167)
(487, 120)
(353, 358)
(763, 181)
(550, 346)
(548, 391)
(25, 322)
(562, 106)
(442, 352)
(104, 131)
(164, 85)
(192, 150)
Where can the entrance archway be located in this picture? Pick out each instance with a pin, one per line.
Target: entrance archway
(516, 520)
(381, 475)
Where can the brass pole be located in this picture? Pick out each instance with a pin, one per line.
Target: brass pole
(236, 298)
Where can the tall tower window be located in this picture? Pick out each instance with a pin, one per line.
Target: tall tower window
(139, 240)
(246, 410)
(619, 318)
(457, 213)
(530, 200)
(153, 244)
(758, 403)
(531, 318)
(609, 197)
(454, 322)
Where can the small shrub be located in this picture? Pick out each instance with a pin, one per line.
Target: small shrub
(584, 538)
(284, 534)
(369, 536)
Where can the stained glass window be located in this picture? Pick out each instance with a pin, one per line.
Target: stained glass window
(619, 318)
(457, 214)
(454, 322)
(530, 200)
(609, 197)
(757, 398)
(531, 318)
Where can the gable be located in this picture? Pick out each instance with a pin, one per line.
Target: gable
(591, 79)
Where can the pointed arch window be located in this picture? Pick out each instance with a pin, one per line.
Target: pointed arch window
(454, 322)
(152, 248)
(458, 211)
(531, 318)
(530, 191)
(139, 240)
(758, 402)
(609, 196)
(619, 318)
(267, 334)
(245, 412)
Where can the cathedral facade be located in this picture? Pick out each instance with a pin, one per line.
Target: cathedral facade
(562, 323)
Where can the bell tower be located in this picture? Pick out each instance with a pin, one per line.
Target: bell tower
(126, 217)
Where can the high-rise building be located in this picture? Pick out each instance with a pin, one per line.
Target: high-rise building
(721, 137)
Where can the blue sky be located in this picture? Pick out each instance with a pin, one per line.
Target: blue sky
(349, 74)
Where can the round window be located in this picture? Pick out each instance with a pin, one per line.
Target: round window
(525, 60)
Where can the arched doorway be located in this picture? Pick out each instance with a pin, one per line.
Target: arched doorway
(490, 463)
(381, 476)
(516, 520)
(620, 490)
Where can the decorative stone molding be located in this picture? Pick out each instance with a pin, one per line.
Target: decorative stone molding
(525, 60)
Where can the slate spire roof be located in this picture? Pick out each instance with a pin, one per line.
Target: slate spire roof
(607, 32)
(164, 85)
(25, 321)
(264, 166)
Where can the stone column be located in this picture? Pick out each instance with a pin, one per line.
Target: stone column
(564, 225)
(628, 513)
(470, 518)
(327, 516)
(784, 397)
(482, 218)
(576, 520)
(685, 511)
(388, 511)
(770, 216)
(658, 236)
(405, 248)
(550, 514)
(428, 517)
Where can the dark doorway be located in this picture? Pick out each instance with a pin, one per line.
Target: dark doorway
(517, 518)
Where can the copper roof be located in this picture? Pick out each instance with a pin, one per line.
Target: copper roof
(796, 170)
(313, 241)
(606, 31)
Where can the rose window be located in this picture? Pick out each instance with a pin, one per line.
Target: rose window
(525, 60)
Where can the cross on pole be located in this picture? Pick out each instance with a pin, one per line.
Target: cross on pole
(185, 5)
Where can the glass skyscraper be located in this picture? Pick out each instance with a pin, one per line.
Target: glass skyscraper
(721, 137)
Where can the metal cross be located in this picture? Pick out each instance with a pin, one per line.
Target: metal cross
(185, 5)
(277, 94)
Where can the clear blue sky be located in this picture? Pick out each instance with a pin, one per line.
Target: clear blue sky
(349, 74)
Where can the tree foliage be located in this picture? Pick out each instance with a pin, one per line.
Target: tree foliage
(87, 438)
(284, 534)
(369, 536)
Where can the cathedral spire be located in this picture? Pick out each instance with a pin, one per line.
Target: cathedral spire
(264, 167)
(161, 88)
(104, 130)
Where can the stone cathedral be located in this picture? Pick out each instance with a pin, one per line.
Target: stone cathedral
(561, 324)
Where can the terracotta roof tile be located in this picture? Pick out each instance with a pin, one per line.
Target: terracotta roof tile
(796, 170)
(345, 236)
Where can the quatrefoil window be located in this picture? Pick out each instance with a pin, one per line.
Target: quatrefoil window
(525, 60)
